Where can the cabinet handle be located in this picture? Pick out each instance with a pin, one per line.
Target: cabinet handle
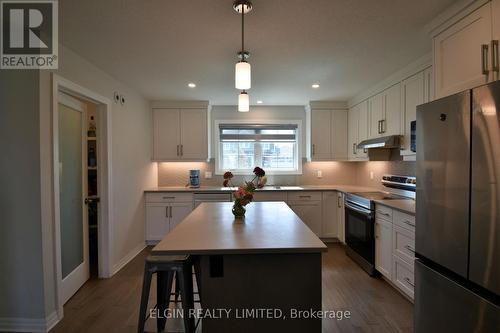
(165, 198)
(484, 59)
(166, 211)
(382, 213)
(409, 248)
(379, 127)
(382, 126)
(182, 150)
(304, 196)
(495, 67)
(407, 280)
(313, 149)
(170, 211)
(178, 150)
(409, 223)
(354, 149)
(338, 202)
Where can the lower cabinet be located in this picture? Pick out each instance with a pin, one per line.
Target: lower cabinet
(383, 247)
(395, 247)
(164, 212)
(308, 206)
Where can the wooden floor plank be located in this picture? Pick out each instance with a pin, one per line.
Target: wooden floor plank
(111, 305)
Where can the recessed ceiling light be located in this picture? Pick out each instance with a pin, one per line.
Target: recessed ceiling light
(191, 85)
(315, 85)
(259, 102)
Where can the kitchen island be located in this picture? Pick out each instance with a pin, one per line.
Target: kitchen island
(262, 274)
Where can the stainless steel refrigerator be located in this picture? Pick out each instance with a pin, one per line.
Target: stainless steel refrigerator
(457, 271)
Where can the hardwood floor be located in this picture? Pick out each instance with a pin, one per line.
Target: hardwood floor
(112, 305)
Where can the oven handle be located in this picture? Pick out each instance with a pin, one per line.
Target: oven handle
(360, 210)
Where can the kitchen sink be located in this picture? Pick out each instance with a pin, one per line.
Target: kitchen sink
(288, 188)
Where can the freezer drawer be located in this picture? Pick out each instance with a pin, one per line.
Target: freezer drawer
(484, 266)
(443, 159)
(442, 305)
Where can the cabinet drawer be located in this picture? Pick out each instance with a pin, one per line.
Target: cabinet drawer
(269, 196)
(304, 196)
(404, 220)
(169, 197)
(383, 212)
(404, 244)
(403, 276)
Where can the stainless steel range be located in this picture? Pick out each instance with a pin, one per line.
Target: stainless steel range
(360, 219)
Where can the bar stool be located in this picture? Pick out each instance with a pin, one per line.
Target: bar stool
(165, 267)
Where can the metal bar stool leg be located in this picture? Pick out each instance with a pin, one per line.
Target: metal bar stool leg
(164, 286)
(186, 286)
(146, 285)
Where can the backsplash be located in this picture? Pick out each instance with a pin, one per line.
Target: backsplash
(345, 173)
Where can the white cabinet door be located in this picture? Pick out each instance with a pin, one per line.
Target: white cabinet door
(428, 85)
(458, 56)
(383, 248)
(413, 95)
(376, 115)
(309, 213)
(330, 215)
(339, 134)
(321, 140)
(166, 134)
(341, 217)
(157, 221)
(391, 121)
(362, 129)
(179, 211)
(194, 139)
(352, 131)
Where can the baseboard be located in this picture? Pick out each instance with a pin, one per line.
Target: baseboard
(29, 324)
(125, 260)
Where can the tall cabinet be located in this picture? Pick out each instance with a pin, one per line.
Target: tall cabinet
(180, 134)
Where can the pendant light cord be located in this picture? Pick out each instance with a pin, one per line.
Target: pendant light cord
(243, 32)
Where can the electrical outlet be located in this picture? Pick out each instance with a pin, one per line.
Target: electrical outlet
(319, 174)
(208, 174)
(371, 175)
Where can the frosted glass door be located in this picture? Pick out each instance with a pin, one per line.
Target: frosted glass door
(72, 212)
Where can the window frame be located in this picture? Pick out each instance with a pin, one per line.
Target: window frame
(299, 143)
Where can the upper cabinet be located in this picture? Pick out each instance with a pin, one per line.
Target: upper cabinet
(465, 53)
(385, 112)
(357, 130)
(180, 134)
(328, 135)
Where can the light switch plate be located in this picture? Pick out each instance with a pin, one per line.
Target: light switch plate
(319, 174)
(208, 174)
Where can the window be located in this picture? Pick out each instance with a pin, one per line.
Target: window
(274, 147)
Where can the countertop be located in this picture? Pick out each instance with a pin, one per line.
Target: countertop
(341, 188)
(269, 227)
(405, 205)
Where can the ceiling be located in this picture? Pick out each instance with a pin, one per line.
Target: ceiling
(159, 46)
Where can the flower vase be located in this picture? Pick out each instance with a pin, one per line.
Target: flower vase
(239, 211)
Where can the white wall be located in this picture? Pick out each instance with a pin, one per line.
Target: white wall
(132, 169)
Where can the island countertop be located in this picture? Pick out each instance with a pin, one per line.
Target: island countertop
(269, 227)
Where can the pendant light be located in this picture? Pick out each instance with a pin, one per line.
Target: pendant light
(243, 102)
(242, 71)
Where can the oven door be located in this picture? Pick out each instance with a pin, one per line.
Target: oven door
(360, 231)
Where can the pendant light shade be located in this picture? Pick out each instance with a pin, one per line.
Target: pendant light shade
(242, 75)
(243, 102)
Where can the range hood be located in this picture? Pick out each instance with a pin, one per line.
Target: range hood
(388, 142)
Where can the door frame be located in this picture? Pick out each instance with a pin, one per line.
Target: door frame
(105, 215)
